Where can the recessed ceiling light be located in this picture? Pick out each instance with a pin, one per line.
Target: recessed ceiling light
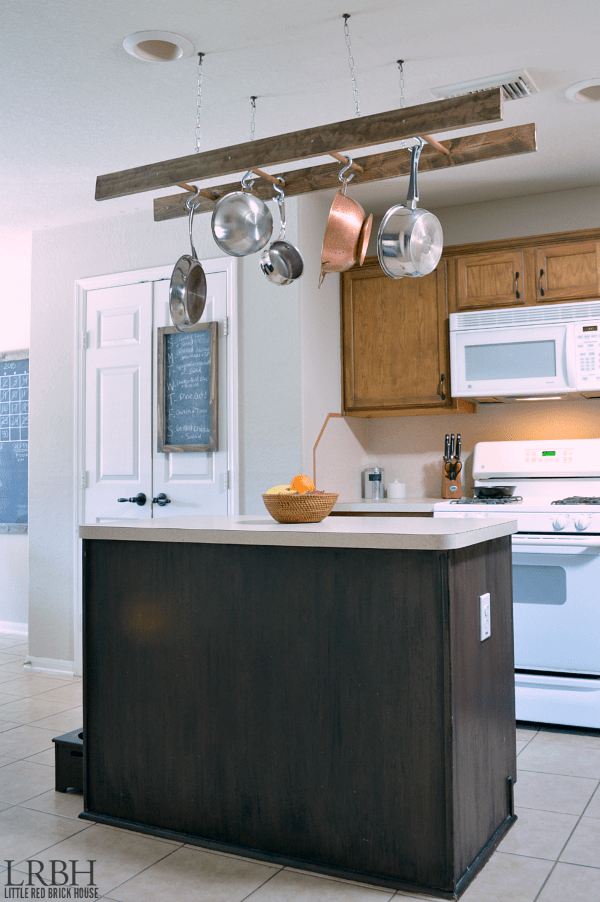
(584, 91)
(157, 46)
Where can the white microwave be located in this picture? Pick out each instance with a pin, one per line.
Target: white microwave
(525, 353)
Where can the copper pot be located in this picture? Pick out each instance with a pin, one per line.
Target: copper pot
(346, 235)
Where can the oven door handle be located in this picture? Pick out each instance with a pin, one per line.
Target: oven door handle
(551, 541)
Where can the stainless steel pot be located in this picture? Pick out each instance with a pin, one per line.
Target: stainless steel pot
(241, 223)
(281, 262)
(410, 241)
(187, 293)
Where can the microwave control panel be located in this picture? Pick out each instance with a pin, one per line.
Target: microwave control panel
(587, 339)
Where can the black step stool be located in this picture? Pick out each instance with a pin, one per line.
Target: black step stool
(68, 761)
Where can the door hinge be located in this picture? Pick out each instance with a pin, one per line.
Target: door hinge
(84, 341)
(84, 479)
(226, 480)
(226, 326)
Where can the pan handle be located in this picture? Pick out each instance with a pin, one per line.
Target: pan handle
(280, 203)
(191, 221)
(412, 198)
(191, 203)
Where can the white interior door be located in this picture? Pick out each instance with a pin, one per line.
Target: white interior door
(118, 401)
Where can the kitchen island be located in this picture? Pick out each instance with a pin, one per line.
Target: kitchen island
(313, 695)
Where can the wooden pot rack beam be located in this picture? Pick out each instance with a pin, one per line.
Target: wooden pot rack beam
(475, 148)
(365, 131)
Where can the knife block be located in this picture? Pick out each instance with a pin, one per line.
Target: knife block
(451, 488)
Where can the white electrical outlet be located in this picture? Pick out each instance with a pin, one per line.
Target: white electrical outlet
(485, 623)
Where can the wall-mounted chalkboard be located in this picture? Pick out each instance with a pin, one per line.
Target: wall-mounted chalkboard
(188, 389)
(14, 440)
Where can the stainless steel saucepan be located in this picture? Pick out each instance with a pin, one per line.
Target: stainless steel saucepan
(187, 293)
(242, 223)
(281, 262)
(410, 241)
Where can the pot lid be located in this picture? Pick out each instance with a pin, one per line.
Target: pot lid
(426, 242)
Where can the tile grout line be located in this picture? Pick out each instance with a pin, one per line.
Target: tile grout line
(133, 876)
(251, 893)
(552, 869)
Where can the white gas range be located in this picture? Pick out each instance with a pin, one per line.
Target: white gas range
(556, 569)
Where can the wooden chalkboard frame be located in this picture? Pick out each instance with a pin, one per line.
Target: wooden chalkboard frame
(6, 527)
(162, 441)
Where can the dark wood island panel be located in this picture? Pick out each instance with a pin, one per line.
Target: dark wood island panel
(327, 708)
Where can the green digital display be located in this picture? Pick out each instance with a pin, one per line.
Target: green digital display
(589, 328)
(548, 453)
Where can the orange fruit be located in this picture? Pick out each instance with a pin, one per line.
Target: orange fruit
(302, 484)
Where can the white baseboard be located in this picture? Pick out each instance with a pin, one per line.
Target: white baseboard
(16, 629)
(49, 665)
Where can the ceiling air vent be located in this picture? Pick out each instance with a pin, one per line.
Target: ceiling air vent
(514, 86)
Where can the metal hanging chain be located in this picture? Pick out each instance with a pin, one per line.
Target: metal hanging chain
(252, 117)
(401, 69)
(346, 16)
(199, 103)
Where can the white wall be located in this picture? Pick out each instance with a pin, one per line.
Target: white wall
(342, 450)
(411, 448)
(15, 317)
(269, 370)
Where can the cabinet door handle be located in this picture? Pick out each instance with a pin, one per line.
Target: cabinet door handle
(542, 292)
(517, 295)
(442, 395)
(161, 500)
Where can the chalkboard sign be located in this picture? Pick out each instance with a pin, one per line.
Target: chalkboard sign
(187, 389)
(14, 440)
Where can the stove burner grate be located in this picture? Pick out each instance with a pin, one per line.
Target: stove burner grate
(578, 499)
(512, 500)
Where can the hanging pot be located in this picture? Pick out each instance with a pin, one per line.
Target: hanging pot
(281, 262)
(187, 293)
(410, 241)
(241, 223)
(347, 232)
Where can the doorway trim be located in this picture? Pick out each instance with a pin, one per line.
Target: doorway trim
(113, 280)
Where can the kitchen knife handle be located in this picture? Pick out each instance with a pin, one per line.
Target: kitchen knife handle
(458, 446)
(447, 448)
(452, 446)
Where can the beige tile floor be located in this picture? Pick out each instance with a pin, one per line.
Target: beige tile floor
(552, 854)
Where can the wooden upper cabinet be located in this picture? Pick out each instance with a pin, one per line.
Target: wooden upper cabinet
(490, 280)
(394, 344)
(538, 269)
(567, 272)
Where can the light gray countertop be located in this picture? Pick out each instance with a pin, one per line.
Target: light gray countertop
(388, 505)
(415, 533)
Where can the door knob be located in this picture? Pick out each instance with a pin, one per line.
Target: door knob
(140, 499)
(161, 500)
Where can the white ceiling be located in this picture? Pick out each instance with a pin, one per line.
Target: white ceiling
(75, 105)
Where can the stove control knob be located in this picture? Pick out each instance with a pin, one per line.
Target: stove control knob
(583, 521)
(560, 522)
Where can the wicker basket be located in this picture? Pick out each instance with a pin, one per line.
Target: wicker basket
(304, 508)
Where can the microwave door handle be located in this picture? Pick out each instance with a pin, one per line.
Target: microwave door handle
(570, 356)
